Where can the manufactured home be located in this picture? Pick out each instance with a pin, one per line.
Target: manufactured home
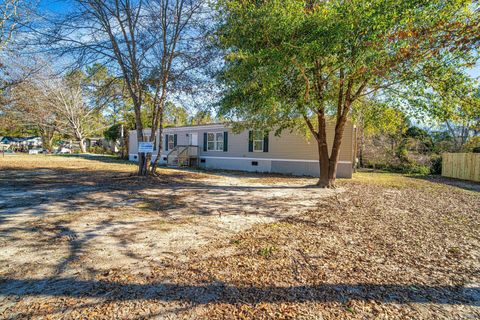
(216, 146)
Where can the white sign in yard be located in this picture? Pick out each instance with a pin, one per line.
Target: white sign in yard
(146, 147)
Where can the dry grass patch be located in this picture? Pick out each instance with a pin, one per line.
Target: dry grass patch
(377, 250)
(196, 245)
(382, 249)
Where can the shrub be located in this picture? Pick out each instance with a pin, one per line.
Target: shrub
(113, 133)
(436, 164)
(414, 168)
(267, 251)
(99, 150)
(406, 168)
(421, 170)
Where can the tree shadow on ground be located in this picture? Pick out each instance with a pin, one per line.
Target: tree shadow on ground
(32, 199)
(220, 292)
(98, 157)
(30, 187)
(119, 194)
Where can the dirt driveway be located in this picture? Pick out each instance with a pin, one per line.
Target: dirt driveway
(71, 216)
(83, 238)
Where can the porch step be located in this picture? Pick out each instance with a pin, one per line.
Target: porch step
(181, 155)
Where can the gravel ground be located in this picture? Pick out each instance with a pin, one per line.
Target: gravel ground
(83, 238)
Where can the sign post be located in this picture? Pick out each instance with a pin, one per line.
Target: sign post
(145, 147)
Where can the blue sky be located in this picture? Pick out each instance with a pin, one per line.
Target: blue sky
(56, 6)
(62, 6)
(475, 72)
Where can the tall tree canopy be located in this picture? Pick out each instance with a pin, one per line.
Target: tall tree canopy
(155, 46)
(446, 96)
(9, 16)
(300, 64)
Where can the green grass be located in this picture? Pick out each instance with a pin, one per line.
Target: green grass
(395, 180)
(267, 251)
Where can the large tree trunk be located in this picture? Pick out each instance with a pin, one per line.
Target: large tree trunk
(47, 139)
(323, 152)
(48, 143)
(337, 142)
(142, 159)
(160, 144)
(79, 136)
(323, 163)
(81, 142)
(328, 164)
(361, 152)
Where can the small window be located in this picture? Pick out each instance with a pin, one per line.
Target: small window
(215, 141)
(258, 141)
(202, 160)
(254, 163)
(135, 157)
(171, 141)
(164, 158)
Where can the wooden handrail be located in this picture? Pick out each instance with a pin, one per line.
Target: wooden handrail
(177, 147)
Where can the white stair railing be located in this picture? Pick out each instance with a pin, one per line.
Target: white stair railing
(180, 155)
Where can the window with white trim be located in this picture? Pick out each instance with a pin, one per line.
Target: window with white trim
(171, 141)
(258, 136)
(215, 141)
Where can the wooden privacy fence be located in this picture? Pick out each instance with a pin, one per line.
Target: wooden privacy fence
(464, 166)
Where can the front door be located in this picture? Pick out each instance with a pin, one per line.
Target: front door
(194, 139)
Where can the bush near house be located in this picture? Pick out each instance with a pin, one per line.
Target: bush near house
(410, 151)
(410, 168)
(100, 150)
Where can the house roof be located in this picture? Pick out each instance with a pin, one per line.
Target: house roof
(196, 126)
(200, 125)
(17, 139)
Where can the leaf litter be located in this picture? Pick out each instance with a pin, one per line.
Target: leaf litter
(399, 248)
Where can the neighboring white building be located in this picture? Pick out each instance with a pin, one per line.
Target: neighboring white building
(28, 142)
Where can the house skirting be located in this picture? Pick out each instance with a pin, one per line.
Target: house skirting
(134, 158)
(296, 167)
(286, 166)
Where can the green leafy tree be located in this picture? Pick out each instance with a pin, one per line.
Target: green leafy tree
(106, 92)
(446, 95)
(300, 64)
(375, 120)
(201, 117)
(113, 133)
(175, 115)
